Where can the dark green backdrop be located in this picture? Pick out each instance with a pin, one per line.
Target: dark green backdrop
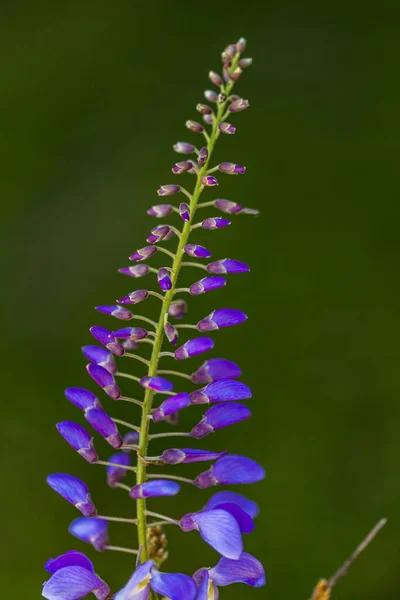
(93, 95)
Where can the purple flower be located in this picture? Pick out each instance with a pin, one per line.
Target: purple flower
(116, 311)
(250, 507)
(203, 156)
(184, 148)
(164, 280)
(160, 210)
(73, 577)
(171, 333)
(209, 180)
(246, 569)
(79, 439)
(207, 284)
(231, 168)
(231, 469)
(135, 297)
(73, 490)
(194, 347)
(220, 416)
(222, 317)
(105, 380)
(181, 167)
(215, 223)
(221, 391)
(218, 528)
(211, 96)
(197, 251)
(117, 474)
(227, 128)
(178, 309)
(155, 487)
(93, 531)
(238, 105)
(174, 586)
(171, 405)
(108, 339)
(158, 234)
(100, 356)
(216, 369)
(159, 384)
(176, 456)
(184, 211)
(82, 398)
(227, 206)
(143, 253)
(168, 190)
(134, 333)
(130, 439)
(227, 265)
(105, 426)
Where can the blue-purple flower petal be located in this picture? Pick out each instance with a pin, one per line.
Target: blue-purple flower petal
(69, 559)
(220, 416)
(93, 531)
(138, 586)
(117, 474)
(155, 487)
(174, 586)
(74, 490)
(175, 456)
(219, 529)
(216, 369)
(231, 469)
(83, 399)
(158, 384)
(247, 569)
(79, 439)
(104, 379)
(222, 317)
(224, 390)
(73, 583)
(246, 504)
(194, 347)
(171, 405)
(227, 265)
(100, 356)
(105, 426)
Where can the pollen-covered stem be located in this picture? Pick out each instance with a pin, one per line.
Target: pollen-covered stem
(155, 356)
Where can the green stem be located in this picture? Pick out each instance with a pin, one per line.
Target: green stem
(141, 476)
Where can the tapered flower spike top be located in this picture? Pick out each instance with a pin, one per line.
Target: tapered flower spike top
(149, 346)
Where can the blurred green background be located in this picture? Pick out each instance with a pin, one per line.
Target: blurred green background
(93, 96)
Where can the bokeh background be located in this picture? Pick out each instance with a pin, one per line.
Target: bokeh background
(93, 96)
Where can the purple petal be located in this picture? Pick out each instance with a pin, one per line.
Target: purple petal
(238, 105)
(178, 309)
(135, 271)
(227, 128)
(221, 530)
(219, 416)
(93, 531)
(203, 155)
(216, 369)
(82, 398)
(221, 391)
(197, 251)
(134, 333)
(207, 284)
(100, 356)
(231, 168)
(79, 439)
(73, 490)
(107, 338)
(160, 210)
(105, 380)
(158, 234)
(117, 474)
(175, 456)
(227, 266)
(249, 506)
(155, 487)
(116, 311)
(247, 569)
(181, 167)
(194, 347)
(215, 223)
(227, 206)
(164, 280)
(174, 586)
(159, 384)
(168, 190)
(184, 212)
(209, 180)
(131, 439)
(72, 558)
(143, 253)
(194, 126)
(171, 333)
(222, 317)
(138, 586)
(105, 426)
(207, 590)
(171, 405)
(231, 469)
(243, 519)
(211, 96)
(135, 297)
(184, 148)
(73, 583)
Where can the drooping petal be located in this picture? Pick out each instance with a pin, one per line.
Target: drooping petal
(243, 519)
(93, 531)
(138, 586)
(83, 399)
(117, 474)
(220, 416)
(74, 490)
(216, 369)
(206, 285)
(73, 583)
(247, 505)
(116, 311)
(221, 530)
(175, 456)
(171, 405)
(105, 426)
(247, 569)
(174, 586)
(227, 265)
(69, 559)
(231, 469)
(100, 356)
(224, 390)
(105, 380)
(108, 339)
(155, 487)
(159, 384)
(79, 439)
(194, 347)
(222, 317)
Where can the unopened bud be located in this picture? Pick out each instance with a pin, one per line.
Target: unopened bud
(209, 180)
(215, 78)
(211, 96)
(241, 45)
(245, 62)
(203, 156)
(194, 126)
(238, 105)
(227, 128)
(203, 109)
(235, 76)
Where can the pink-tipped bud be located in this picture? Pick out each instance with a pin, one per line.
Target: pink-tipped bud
(227, 206)
(241, 45)
(194, 126)
(168, 190)
(222, 97)
(171, 333)
(245, 62)
(202, 157)
(215, 78)
(235, 76)
(209, 119)
(227, 128)
(158, 233)
(211, 96)
(184, 148)
(160, 210)
(203, 109)
(239, 105)
(181, 167)
(231, 168)
(209, 181)
(184, 211)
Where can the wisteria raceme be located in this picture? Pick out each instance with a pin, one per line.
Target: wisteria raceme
(226, 517)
